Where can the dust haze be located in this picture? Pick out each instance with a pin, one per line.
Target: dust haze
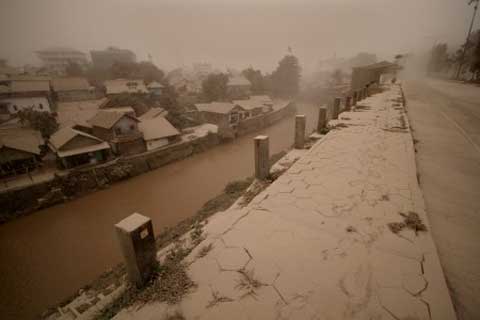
(230, 33)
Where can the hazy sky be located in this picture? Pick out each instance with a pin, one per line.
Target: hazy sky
(236, 33)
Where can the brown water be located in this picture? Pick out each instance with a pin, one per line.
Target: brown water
(50, 254)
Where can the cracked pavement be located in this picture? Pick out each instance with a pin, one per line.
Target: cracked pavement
(316, 243)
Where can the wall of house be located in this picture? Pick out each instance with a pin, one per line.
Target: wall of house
(36, 103)
(157, 143)
(9, 154)
(102, 133)
(76, 95)
(130, 147)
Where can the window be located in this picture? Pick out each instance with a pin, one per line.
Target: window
(118, 131)
(132, 127)
(15, 107)
(40, 106)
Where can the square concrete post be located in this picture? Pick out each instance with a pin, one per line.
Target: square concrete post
(262, 157)
(348, 103)
(354, 98)
(137, 242)
(299, 131)
(336, 108)
(360, 98)
(322, 119)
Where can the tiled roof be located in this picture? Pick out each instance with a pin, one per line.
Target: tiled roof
(27, 140)
(157, 128)
(215, 107)
(68, 84)
(107, 119)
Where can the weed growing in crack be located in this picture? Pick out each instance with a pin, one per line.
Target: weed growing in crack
(204, 250)
(217, 298)
(248, 283)
(411, 221)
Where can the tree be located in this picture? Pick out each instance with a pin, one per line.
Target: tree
(214, 87)
(144, 70)
(286, 78)
(73, 69)
(337, 77)
(256, 79)
(42, 121)
(475, 57)
(438, 58)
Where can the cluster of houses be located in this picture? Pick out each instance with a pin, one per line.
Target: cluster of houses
(89, 131)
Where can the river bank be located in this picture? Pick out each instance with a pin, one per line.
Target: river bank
(47, 262)
(24, 200)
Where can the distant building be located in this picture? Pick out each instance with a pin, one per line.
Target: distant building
(104, 59)
(20, 95)
(238, 87)
(120, 129)
(56, 59)
(72, 89)
(155, 88)
(255, 105)
(75, 148)
(19, 150)
(158, 132)
(119, 86)
(223, 114)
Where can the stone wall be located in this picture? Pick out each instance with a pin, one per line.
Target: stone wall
(18, 202)
(262, 121)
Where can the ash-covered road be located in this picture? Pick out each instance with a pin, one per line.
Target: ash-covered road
(445, 116)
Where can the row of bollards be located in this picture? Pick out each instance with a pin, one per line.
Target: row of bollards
(135, 233)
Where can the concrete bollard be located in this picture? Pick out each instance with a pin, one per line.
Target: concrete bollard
(299, 131)
(137, 242)
(367, 90)
(354, 98)
(322, 119)
(336, 108)
(348, 103)
(360, 97)
(262, 157)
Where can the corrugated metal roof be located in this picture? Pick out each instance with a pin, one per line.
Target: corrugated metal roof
(215, 107)
(157, 128)
(29, 86)
(107, 119)
(153, 113)
(118, 86)
(62, 136)
(22, 139)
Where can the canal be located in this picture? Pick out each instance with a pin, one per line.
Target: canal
(47, 256)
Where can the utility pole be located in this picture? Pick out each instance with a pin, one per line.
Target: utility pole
(464, 51)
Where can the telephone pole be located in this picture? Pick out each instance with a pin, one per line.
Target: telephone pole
(462, 57)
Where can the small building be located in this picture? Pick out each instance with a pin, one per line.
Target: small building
(20, 95)
(120, 130)
(155, 88)
(119, 86)
(158, 132)
(223, 114)
(238, 87)
(74, 148)
(72, 89)
(255, 105)
(361, 76)
(19, 150)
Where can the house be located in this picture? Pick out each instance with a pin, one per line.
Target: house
(74, 148)
(20, 95)
(158, 132)
(255, 105)
(120, 130)
(72, 89)
(223, 114)
(119, 86)
(19, 150)
(238, 87)
(155, 88)
(153, 113)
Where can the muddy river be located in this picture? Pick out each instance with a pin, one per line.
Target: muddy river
(50, 254)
